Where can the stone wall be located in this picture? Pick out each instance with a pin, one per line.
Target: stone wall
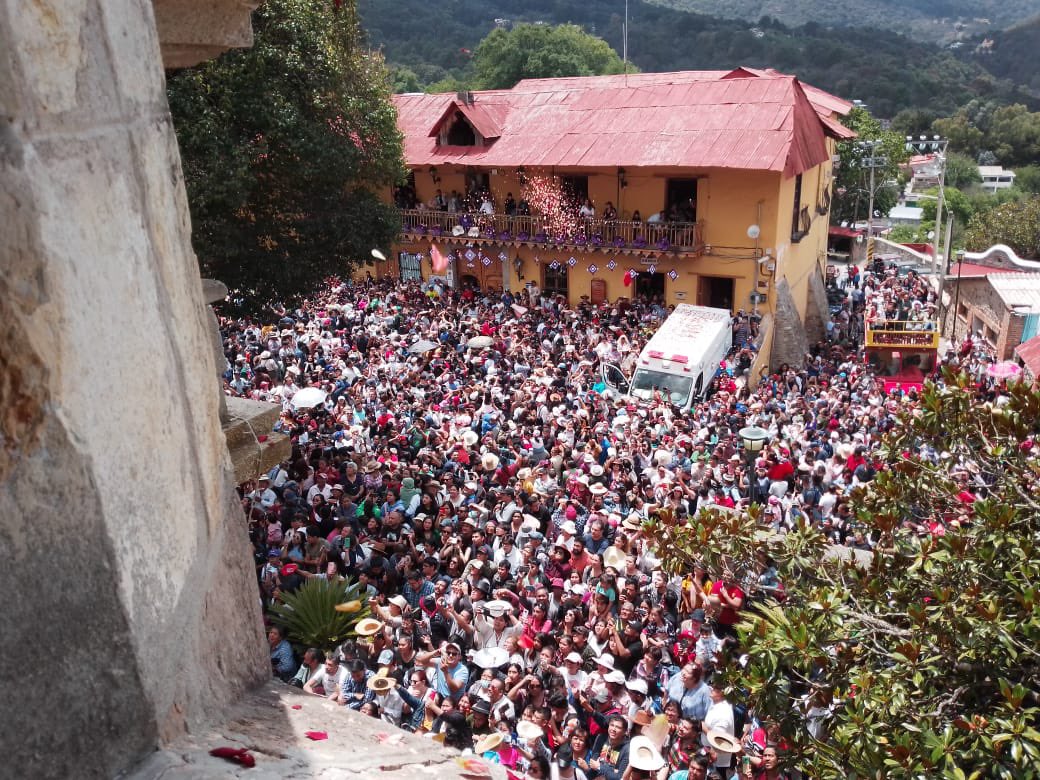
(128, 578)
(981, 304)
(903, 253)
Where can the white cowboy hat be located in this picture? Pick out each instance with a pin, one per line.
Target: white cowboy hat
(643, 755)
(723, 742)
(469, 438)
(489, 461)
(614, 557)
(528, 731)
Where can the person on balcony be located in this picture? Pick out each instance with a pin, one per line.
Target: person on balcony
(609, 212)
(486, 206)
(438, 203)
(587, 210)
(454, 201)
(510, 205)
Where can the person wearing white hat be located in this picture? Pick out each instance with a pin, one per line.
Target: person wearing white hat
(574, 677)
(644, 758)
(719, 718)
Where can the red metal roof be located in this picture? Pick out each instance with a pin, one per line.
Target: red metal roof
(1029, 353)
(481, 117)
(676, 120)
(843, 232)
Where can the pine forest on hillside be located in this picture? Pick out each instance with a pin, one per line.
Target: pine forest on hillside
(888, 72)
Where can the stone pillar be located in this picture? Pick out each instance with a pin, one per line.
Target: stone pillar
(131, 609)
(817, 310)
(789, 340)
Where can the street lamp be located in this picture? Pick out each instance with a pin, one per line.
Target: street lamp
(753, 232)
(754, 440)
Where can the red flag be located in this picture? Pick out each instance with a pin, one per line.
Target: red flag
(440, 262)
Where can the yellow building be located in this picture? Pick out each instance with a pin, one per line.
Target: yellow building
(736, 165)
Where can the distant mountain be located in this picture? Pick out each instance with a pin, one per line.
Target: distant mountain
(1012, 54)
(887, 71)
(936, 20)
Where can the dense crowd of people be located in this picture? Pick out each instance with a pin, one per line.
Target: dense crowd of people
(469, 469)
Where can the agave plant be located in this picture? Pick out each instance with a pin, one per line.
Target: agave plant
(309, 615)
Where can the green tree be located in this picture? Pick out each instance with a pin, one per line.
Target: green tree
(1015, 223)
(925, 648)
(284, 147)
(852, 186)
(403, 79)
(1014, 135)
(963, 135)
(1027, 179)
(961, 171)
(533, 51)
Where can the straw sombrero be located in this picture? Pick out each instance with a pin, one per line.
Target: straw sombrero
(379, 684)
(368, 627)
(633, 522)
(723, 742)
(490, 742)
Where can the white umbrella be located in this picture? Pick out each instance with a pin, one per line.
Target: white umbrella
(308, 398)
(519, 310)
(423, 345)
(480, 342)
(491, 657)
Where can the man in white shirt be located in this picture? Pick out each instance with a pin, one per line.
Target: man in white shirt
(320, 486)
(263, 496)
(328, 680)
(719, 718)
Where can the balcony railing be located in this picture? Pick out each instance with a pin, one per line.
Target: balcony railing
(902, 334)
(601, 234)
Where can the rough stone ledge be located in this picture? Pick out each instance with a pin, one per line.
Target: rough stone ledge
(247, 420)
(265, 722)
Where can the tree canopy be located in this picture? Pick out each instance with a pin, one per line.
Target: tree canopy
(920, 660)
(284, 147)
(536, 51)
(1015, 223)
(852, 186)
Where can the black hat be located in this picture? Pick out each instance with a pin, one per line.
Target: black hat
(482, 706)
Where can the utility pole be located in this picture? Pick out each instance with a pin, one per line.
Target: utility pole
(944, 269)
(937, 145)
(872, 162)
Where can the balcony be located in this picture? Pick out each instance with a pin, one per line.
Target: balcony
(587, 234)
(902, 335)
